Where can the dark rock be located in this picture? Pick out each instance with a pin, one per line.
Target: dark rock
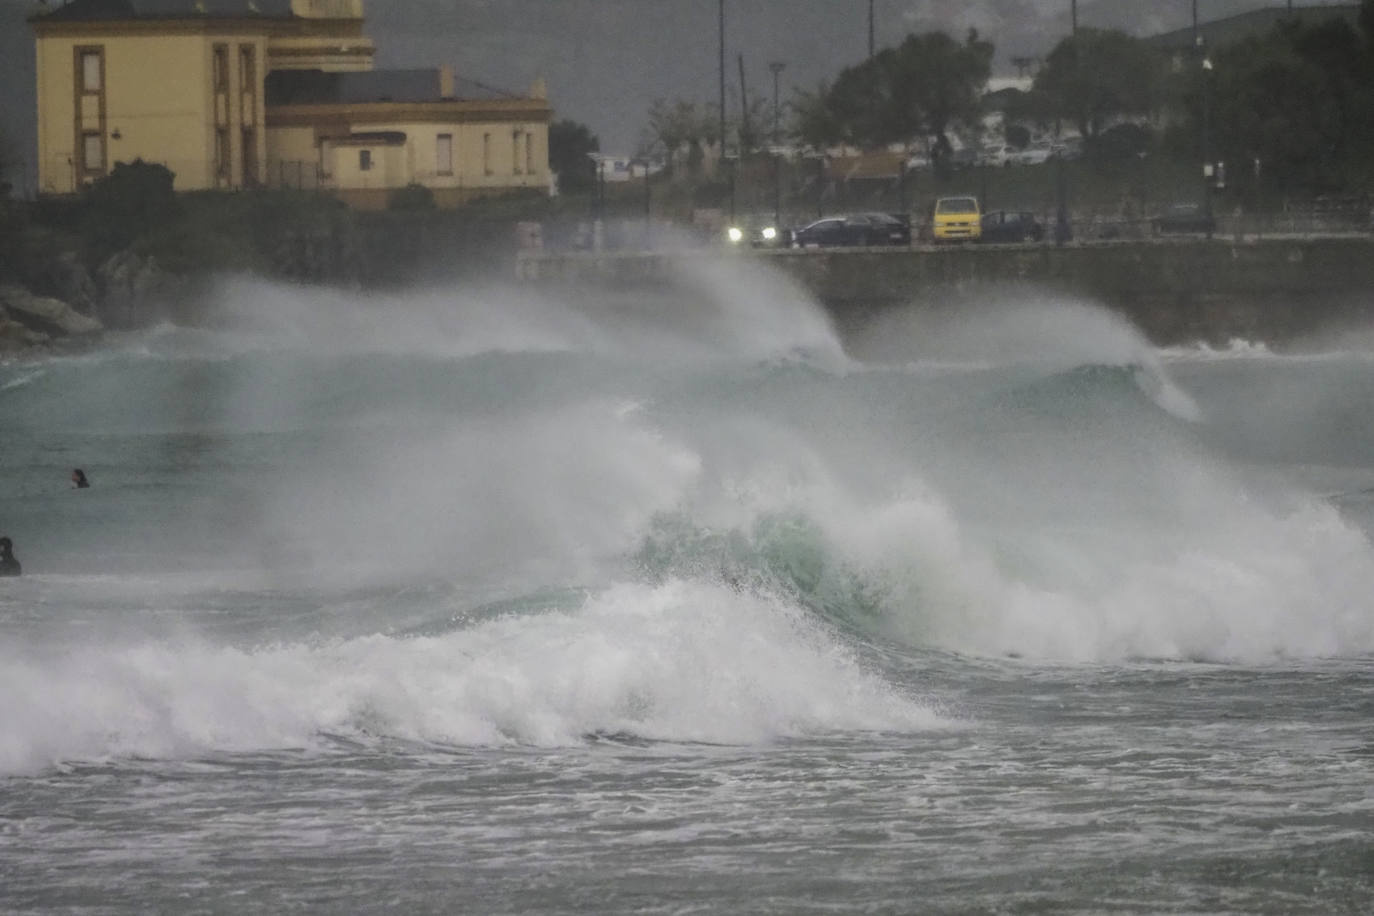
(133, 290)
(45, 314)
(66, 278)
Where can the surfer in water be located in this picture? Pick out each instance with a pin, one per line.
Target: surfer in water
(79, 479)
(9, 564)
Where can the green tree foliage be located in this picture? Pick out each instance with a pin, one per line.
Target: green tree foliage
(135, 200)
(1289, 110)
(683, 130)
(924, 87)
(1099, 75)
(570, 147)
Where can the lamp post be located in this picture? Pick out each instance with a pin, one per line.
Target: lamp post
(871, 46)
(1208, 167)
(776, 67)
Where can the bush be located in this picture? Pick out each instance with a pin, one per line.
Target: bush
(412, 197)
(136, 199)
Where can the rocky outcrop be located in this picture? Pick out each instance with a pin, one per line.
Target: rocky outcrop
(44, 315)
(134, 290)
(66, 278)
(16, 336)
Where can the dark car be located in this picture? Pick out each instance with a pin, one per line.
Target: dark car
(1184, 218)
(1012, 226)
(854, 229)
(757, 232)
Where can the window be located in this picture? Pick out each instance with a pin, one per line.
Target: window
(249, 145)
(222, 152)
(515, 152)
(443, 154)
(92, 71)
(364, 160)
(220, 71)
(486, 154)
(529, 156)
(247, 69)
(93, 152)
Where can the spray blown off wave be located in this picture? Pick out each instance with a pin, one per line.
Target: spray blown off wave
(751, 506)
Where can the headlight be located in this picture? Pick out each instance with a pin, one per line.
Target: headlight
(735, 234)
(769, 233)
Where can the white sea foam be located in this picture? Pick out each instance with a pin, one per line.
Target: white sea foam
(681, 662)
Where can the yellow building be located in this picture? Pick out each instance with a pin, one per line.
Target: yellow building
(233, 94)
(364, 135)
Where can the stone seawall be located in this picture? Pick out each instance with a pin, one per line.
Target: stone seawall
(1273, 290)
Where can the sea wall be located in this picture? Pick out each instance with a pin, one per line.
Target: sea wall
(1275, 290)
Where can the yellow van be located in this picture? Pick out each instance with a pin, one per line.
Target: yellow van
(957, 219)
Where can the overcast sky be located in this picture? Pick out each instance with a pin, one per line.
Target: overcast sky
(606, 60)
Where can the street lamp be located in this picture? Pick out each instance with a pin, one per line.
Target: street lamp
(1208, 168)
(870, 30)
(776, 67)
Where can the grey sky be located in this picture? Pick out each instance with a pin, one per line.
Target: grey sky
(606, 60)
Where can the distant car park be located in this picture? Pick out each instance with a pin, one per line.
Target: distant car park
(856, 229)
(1012, 226)
(1183, 218)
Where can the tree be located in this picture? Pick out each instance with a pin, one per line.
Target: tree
(922, 88)
(8, 160)
(1099, 75)
(684, 126)
(1289, 108)
(812, 120)
(570, 148)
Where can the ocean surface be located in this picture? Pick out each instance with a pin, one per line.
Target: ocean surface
(481, 600)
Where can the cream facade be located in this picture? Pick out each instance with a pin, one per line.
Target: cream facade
(458, 148)
(190, 84)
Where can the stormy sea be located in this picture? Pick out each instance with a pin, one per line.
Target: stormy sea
(489, 600)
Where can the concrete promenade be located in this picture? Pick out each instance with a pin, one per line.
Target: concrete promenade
(1274, 289)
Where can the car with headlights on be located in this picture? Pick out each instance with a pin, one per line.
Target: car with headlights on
(760, 232)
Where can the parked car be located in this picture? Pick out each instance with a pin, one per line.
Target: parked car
(1011, 226)
(757, 232)
(1031, 155)
(854, 229)
(1184, 217)
(956, 219)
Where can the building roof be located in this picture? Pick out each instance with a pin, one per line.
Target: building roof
(318, 87)
(118, 10)
(1256, 22)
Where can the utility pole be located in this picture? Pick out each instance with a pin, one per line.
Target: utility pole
(724, 161)
(776, 67)
(745, 127)
(871, 45)
(722, 80)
